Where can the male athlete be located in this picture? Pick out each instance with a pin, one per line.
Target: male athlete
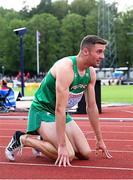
(61, 89)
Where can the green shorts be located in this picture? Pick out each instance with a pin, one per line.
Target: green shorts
(35, 117)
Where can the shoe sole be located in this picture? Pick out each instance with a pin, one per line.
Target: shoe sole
(7, 155)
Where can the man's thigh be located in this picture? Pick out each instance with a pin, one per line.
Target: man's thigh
(48, 132)
(77, 138)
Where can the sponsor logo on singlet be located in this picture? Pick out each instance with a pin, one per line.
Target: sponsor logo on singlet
(82, 86)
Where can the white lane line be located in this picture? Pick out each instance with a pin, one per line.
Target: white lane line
(84, 131)
(75, 118)
(102, 124)
(73, 166)
(116, 119)
(110, 125)
(110, 150)
(108, 132)
(90, 139)
(127, 111)
(11, 129)
(13, 123)
(14, 117)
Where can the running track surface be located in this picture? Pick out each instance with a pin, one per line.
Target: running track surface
(117, 129)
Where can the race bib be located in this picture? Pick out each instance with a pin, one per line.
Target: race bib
(74, 99)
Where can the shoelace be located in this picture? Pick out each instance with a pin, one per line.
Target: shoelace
(14, 146)
(20, 150)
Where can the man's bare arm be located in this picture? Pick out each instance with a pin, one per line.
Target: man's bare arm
(63, 80)
(93, 114)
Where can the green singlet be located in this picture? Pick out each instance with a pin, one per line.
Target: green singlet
(43, 105)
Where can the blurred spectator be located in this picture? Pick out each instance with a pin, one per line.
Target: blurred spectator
(8, 97)
(16, 83)
(27, 77)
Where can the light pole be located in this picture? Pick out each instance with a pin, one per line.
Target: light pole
(21, 32)
(37, 50)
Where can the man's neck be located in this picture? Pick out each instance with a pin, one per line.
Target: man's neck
(80, 65)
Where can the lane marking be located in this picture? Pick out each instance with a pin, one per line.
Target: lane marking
(81, 125)
(127, 111)
(116, 119)
(84, 131)
(13, 117)
(75, 118)
(113, 125)
(108, 132)
(11, 129)
(73, 166)
(92, 139)
(17, 121)
(111, 150)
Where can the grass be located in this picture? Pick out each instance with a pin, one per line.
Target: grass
(109, 94)
(117, 94)
(28, 91)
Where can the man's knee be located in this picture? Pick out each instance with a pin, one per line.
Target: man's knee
(85, 155)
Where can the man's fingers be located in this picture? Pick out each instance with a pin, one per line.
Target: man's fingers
(57, 160)
(62, 160)
(107, 154)
(68, 162)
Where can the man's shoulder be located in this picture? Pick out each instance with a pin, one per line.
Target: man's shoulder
(63, 68)
(65, 62)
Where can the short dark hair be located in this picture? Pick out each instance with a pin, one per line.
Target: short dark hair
(92, 40)
(3, 82)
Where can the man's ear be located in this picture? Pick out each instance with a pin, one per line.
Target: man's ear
(85, 51)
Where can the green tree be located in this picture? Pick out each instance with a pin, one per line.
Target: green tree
(60, 8)
(3, 43)
(91, 23)
(82, 7)
(62, 26)
(13, 46)
(49, 28)
(45, 6)
(72, 31)
(124, 25)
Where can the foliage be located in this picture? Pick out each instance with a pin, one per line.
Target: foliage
(83, 7)
(72, 31)
(60, 8)
(124, 25)
(48, 26)
(62, 26)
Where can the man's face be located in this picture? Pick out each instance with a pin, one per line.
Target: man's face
(96, 55)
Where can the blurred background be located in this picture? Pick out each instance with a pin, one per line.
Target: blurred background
(54, 30)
